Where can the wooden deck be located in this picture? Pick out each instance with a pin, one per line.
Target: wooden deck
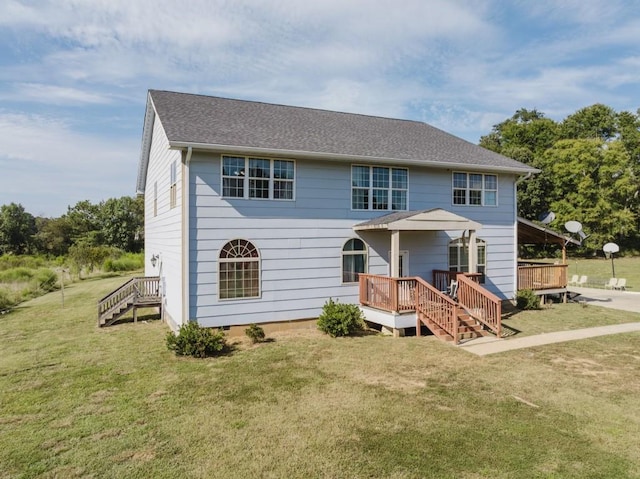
(445, 317)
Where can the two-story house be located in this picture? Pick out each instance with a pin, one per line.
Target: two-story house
(258, 213)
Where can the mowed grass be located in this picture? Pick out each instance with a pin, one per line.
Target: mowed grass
(77, 401)
(600, 268)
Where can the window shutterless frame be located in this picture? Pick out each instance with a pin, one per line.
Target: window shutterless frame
(379, 188)
(256, 178)
(474, 189)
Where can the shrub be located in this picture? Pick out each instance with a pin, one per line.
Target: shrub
(5, 299)
(19, 274)
(126, 262)
(194, 340)
(255, 333)
(527, 299)
(340, 319)
(45, 279)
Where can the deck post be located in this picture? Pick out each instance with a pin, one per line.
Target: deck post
(394, 261)
(473, 252)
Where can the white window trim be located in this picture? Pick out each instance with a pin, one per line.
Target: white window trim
(353, 253)
(405, 263)
(240, 260)
(246, 178)
(460, 247)
(370, 188)
(467, 189)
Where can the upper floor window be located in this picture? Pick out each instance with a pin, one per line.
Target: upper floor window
(379, 188)
(354, 260)
(459, 256)
(173, 184)
(475, 189)
(239, 270)
(257, 178)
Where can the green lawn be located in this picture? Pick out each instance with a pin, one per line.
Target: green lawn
(601, 268)
(76, 401)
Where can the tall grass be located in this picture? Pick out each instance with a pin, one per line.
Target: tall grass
(126, 262)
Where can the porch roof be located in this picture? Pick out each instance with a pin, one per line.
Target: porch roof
(531, 233)
(435, 219)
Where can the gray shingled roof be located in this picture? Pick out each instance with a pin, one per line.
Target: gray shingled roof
(207, 120)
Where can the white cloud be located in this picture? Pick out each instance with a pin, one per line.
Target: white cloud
(47, 166)
(59, 95)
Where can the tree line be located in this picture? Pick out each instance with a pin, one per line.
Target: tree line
(114, 223)
(590, 170)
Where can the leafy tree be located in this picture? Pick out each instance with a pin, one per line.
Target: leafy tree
(17, 228)
(54, 235)
(122, 222)
(596, 121)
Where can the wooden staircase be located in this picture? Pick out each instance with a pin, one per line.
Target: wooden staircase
(474, 314)
(141, 292)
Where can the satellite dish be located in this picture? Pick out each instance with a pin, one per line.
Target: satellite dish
(611, 248)
(573, 226)
(546, 218)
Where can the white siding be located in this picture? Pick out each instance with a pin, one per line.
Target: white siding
(163, 233)
(300, 241)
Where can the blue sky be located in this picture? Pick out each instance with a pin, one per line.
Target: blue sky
(74, 73)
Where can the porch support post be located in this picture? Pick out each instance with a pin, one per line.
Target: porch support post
(473, 252)
(394, 261)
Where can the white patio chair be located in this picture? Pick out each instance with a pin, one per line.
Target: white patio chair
(622, 284)
(574, 280)
(613, 282)
(582, 281)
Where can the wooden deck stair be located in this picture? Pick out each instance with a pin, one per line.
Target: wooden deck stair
(141, 292)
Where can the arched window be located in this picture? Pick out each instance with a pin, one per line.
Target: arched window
(459, 257)
(354, 260)
(239, 270)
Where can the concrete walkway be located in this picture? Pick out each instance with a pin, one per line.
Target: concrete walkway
(491, 345)
(623, 300)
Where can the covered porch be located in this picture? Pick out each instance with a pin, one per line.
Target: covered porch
(398, 301)
(540, 277)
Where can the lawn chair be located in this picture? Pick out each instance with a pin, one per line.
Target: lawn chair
(622, 284)
(582, 281)
(574, 280)
(613, 282)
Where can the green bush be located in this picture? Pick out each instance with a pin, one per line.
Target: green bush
(194, 340)
(45, 279)
(9, 261)
(527, 299)
(19, 274)
(126, 262)
(5, 299)
(255, 333)
(340, 319)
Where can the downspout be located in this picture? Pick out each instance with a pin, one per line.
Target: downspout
(185, 237)
(515, 225)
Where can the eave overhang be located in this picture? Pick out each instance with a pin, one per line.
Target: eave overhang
(435, 219)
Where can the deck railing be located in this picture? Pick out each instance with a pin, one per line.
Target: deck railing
(437, 307)
(137, 290)
(389, 294)
(542, 276)
(481, 304)
(442, 278)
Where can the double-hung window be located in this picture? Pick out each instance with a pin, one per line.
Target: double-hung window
(257, 178)
(475, 189)
(379, 188)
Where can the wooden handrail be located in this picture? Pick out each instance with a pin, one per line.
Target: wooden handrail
(437, 307)
(542, 276)
(442, 278)
(480, 303)
(389, 294)
(132, 290)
